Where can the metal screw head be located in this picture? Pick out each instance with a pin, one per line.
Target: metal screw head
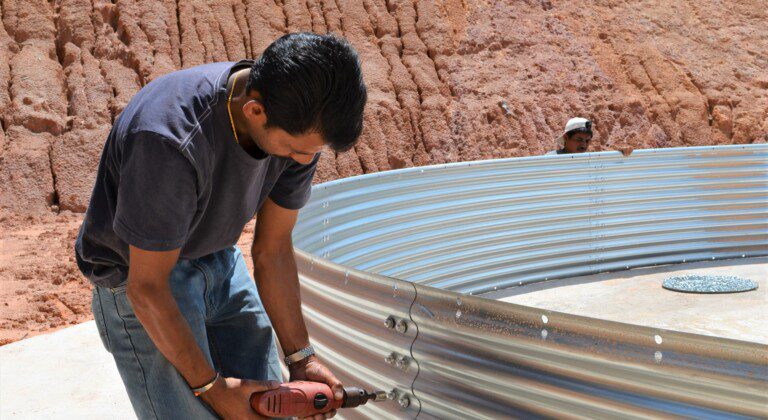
(390, 322)
(381, 396)
(401, 326)
(391, 358)
(403, 363)
(404, 401)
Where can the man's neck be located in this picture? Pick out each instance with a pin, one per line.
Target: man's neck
(237, 82)
(236, 88)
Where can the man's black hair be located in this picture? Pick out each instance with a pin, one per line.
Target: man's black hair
(311, 82)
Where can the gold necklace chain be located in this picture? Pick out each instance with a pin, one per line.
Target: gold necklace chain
(229, 109)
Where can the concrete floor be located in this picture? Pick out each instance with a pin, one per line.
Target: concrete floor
(636, 297)
(63, 375)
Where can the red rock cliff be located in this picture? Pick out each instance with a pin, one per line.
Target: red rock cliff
(449, 80)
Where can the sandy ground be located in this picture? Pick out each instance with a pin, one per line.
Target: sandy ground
(41, 289)
(636, 297)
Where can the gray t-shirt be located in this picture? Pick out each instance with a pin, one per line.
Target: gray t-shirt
(172, 176)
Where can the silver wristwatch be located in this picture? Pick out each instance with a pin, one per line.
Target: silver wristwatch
(299, 355)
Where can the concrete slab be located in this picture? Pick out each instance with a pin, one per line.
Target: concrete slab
(63, 375)
(636, 297)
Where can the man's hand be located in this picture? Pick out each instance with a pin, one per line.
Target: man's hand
(626, 150)
(230, 398)
(310, 369)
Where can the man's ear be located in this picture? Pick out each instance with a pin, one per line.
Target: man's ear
(254, 109)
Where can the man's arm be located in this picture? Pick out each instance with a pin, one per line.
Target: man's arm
(278, 283)
(149, 292)
(276, 275)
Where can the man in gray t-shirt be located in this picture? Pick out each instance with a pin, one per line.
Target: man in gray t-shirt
(194, 156)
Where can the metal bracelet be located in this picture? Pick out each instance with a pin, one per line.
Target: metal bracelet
(206, 387)
(299, 355)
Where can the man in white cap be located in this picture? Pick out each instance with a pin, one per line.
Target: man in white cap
(575, 137)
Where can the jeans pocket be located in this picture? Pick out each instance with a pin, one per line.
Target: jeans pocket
(98, 316)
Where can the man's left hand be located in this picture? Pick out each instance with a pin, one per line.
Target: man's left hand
(310, 369)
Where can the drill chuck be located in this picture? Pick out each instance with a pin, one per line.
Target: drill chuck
(354, 397)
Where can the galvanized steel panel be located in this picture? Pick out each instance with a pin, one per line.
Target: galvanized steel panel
(470, 227)
(478, 226)
(512, 360)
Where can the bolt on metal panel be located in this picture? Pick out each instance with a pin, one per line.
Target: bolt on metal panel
(345, 312)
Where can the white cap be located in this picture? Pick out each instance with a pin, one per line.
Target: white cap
(573, 124)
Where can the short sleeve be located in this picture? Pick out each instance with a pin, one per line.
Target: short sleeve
(157, 194)
(294, 186)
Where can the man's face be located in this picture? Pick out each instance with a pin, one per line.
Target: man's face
(577, 142)
(275, 141)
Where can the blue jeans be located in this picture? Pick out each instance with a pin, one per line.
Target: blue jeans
(220, 302)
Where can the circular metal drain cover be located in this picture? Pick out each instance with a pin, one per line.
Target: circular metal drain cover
(699, 283)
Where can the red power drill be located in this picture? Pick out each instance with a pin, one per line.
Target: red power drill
(302, 399)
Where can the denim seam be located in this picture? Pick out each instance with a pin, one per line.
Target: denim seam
(215, 355)
(103, 320)
(208, 287)
(136, 356)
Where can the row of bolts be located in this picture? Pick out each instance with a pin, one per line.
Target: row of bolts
(402, 362)
(394, 359)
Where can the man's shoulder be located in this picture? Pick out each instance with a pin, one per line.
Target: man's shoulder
(151, 149)
(154, 145)
(193, 76)
(174, 104)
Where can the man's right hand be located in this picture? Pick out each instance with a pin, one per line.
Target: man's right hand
(230, 398)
